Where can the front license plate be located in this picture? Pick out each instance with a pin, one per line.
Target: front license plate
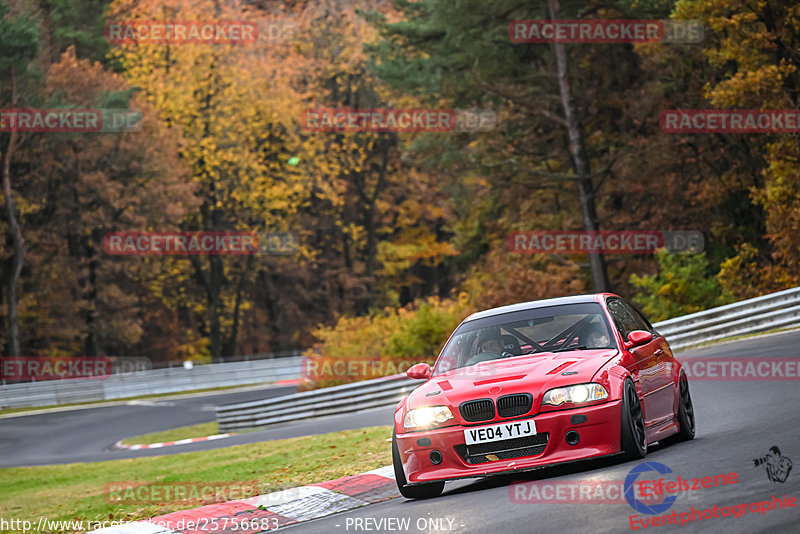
(499, 432)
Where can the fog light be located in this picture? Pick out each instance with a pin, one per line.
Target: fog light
(572, 437)
(436, 457)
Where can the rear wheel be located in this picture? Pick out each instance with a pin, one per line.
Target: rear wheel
(423, 491)
(633, 437)
(685, 413)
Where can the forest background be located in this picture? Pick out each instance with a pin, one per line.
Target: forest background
(401, 234)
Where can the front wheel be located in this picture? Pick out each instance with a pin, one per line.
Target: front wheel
(424, 491)
(633, 438)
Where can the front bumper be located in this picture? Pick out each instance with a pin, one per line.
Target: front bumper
(599, 436)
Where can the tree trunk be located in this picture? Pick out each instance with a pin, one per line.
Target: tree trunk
(92, 341)
(213, 300)
(16, 236)
(580, 157)
(229, 348)
(211, 281)
(371, 224)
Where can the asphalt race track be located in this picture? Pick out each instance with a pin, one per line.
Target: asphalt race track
(736, 422)
(86, 435)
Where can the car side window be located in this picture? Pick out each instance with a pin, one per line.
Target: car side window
(638, 318)
(650, 327)
(623, 319)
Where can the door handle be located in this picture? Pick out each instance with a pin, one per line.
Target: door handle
(658, 352)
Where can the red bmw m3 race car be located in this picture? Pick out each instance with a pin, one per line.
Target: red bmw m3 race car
(539, 383)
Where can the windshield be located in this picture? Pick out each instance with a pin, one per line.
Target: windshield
(551, 329)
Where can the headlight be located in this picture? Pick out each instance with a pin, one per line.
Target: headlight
(575, 394)
(427, 416)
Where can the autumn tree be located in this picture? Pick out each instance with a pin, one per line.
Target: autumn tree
(235, 112)
(388, 211)
(751, 50)
(18, 46)
(79, 186)
(462, 53)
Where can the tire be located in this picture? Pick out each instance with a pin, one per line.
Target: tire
(686, 420)
(423, 491)
(633, 439)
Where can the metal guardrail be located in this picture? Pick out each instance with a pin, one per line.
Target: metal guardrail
(776, 310)
(347, 398)
(154, 381)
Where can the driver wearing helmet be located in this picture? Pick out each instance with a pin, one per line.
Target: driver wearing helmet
(489, 340)
(595, 336)
(490, 345)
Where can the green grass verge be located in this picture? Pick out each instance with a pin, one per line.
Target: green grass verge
(76, 491)
(184, 432)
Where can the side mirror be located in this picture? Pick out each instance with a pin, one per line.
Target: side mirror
(639, 337)
(420, 370)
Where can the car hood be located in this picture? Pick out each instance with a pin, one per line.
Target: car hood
(534, 373)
